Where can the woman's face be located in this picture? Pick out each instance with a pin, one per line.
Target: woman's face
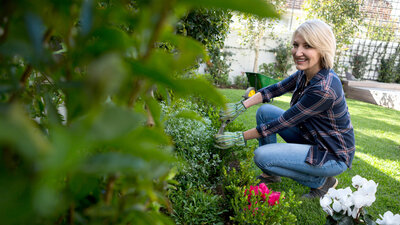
(305, 57)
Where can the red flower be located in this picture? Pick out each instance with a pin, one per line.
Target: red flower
(263, 191)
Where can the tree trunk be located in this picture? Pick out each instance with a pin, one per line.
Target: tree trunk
(257, 42)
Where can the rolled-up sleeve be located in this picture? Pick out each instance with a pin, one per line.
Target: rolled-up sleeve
(279, 88)
(313, 102)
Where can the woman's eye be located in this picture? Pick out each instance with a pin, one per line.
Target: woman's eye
(307, 46)
(295, 45)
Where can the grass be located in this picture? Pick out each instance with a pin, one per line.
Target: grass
(377, 133)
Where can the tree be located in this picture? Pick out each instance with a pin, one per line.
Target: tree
(210, 27)
(255, 27)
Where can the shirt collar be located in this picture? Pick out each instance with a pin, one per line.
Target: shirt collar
(322, 73)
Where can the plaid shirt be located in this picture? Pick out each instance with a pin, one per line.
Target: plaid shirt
(321, 113)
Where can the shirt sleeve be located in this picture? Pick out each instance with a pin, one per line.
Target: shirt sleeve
(279, 88)
(313, 102)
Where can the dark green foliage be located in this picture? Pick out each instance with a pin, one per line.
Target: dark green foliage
(283, 57)
(210, 27)
(219, 67)
(194, 206)
(280, 67)
(270, 70)
(389, 71)
(359, 64)
(241, 82)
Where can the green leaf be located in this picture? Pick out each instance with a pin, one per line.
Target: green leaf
(257, 7)
(17, 130)
(346, 220)
(113, 122)
(369, 220)
(113, 162)
(189, 114)
(200, 87)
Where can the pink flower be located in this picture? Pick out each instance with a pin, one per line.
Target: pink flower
(274, 198)
(262, 190)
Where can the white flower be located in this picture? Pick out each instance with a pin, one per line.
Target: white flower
(358, 181)
(337, 207)
(325, 201)
(369, 187)
(328, 210)
(358, 199)
(332, 192)
(389, 219)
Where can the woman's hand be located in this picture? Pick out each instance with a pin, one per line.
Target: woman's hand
(232, 111)
(229, 139)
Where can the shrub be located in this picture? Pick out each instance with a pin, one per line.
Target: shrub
(193, 139)
(387, 72)
(241, 82)
(194, 206)
(282, 56)
(270, 70)
(359, 64)
(253, 206)
(218, 67)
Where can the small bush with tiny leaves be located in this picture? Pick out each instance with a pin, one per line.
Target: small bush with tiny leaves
(193, 139)
(194, 206)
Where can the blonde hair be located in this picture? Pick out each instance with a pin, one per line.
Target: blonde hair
(319, 35)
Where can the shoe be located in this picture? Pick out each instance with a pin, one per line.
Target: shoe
(330, 182)
(268, 180)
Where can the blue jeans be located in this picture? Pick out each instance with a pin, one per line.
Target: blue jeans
(288, 159)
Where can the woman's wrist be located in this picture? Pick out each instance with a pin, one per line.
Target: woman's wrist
(254, 100)
(251, 134)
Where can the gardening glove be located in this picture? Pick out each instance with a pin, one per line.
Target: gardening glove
(229, 139)
(232, 111)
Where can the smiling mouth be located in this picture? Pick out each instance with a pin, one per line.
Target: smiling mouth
(301, 60)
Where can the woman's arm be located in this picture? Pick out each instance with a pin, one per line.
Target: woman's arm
(251, 134)
(253, 100)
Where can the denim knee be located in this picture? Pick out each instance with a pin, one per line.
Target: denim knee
(259, 158)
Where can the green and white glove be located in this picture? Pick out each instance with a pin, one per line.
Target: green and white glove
(232, 111)
(229, 139)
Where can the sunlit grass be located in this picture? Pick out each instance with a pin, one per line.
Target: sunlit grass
(377, 131)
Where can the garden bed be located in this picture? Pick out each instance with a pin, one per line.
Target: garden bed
(383, 94)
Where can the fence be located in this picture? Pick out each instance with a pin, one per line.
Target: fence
(378, 39)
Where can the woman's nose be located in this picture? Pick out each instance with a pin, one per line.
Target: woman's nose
(298, 51)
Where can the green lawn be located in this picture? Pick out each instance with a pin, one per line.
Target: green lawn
(377, 131)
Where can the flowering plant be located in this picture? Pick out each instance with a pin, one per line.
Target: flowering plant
(263, 191)
(344, 206)
(260, 205)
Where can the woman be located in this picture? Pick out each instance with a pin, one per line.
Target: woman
(317, 127)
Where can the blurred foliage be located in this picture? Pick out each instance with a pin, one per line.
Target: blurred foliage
(80, 134)
(240, 81)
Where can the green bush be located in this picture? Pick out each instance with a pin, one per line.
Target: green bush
(359, 64)
(283, 57)
(193, 138)
(261, 212)
(270, 70)
(387, 71)
(241, 82)
(194, 206)
(219, 67)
